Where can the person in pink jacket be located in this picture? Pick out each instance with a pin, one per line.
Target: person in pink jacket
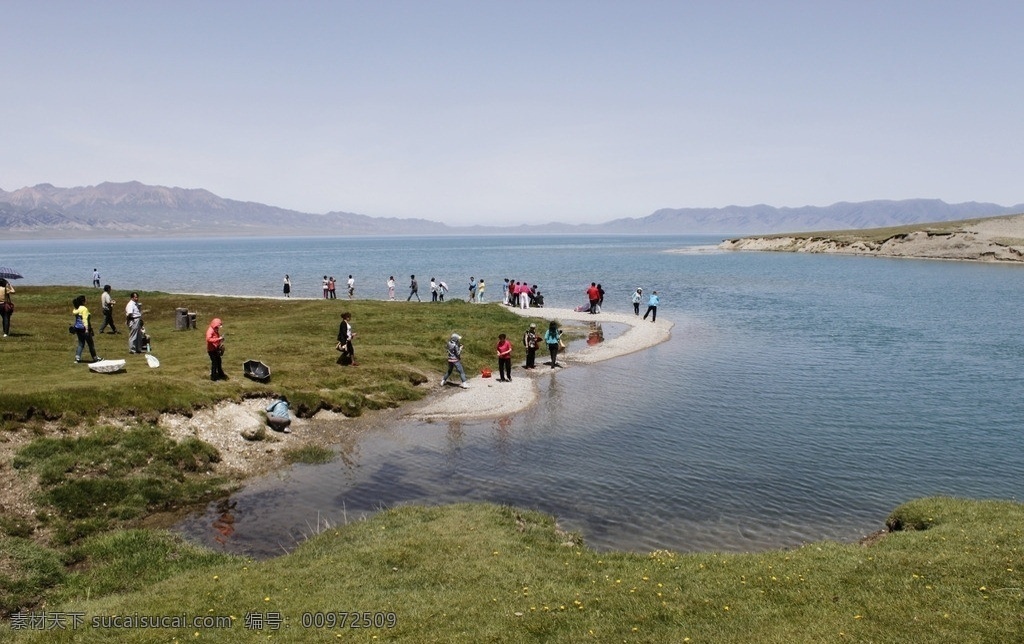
(215, 349)
(504, 359)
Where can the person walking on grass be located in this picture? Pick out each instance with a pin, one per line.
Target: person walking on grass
(83, 329)
(455, 360)
(215, 349)
(504, 359)
(345, 335)
(107, 304)
(6, 304)
(652, 307)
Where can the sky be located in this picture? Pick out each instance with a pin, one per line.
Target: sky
(519, 111)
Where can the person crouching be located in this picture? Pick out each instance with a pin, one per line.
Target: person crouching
(277, 415)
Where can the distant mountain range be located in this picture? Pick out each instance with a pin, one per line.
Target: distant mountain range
(137, 210)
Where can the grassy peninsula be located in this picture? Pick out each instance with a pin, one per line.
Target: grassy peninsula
(93, 466)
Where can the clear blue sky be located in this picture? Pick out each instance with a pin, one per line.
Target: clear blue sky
(518, 111)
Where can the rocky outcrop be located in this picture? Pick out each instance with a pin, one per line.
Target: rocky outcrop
(998, 239)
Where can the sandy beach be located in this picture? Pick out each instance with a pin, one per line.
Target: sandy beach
(238, 430)
(486, 397)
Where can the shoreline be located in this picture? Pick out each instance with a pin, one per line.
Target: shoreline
(487, 398)
(997, 240)
(227, 424)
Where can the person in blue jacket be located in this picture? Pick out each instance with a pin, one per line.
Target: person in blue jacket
(652, 306)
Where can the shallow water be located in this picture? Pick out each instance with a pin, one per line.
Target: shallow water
(801, 397)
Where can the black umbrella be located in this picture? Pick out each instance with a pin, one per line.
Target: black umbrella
(9, 273)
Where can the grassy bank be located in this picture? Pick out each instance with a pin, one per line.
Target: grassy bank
(86, 449)
(467, 572)
(399, 346)
(476, 573)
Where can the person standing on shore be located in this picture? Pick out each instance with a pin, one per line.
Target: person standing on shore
(414, 289)
(332, 288)
(480, 286)
(472, 289)
(530, 341)
(455, 360)
(96, 277)
(433, 290)
(287, 286)
(638, 295)
(107, 304)
(391, 288)
(351, 287)
(593, 295)
(504, 359)
(652, 307)
(215, 349)
(553, 338)
(326, 286)
(6, 305)
(83, 329)
(133, 317)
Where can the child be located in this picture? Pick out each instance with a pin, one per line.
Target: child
(504, 359)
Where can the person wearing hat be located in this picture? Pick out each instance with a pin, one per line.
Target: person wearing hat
(215, 349)
(638, 295)
(530, 341)
(455, 360)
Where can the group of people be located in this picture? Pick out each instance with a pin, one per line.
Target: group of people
(652, 304)
(81, 326)
(329, 287)
(521, 294)
(531, 342)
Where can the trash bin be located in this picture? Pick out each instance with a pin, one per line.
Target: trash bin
(181, 319)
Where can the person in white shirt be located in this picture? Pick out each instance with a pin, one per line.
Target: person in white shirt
(133, 316)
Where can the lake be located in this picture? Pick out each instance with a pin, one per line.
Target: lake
(801, 397)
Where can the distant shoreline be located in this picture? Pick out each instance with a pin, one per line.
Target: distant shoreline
(992, 239)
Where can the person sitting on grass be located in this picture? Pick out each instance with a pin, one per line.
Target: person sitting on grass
(277, 415)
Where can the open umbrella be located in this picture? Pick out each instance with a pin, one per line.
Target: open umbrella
(9, 273)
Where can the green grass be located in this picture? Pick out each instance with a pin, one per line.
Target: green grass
(309, 454)
(399, 346)
(466, 572)
(484, 573)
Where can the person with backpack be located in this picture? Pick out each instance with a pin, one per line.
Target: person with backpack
(530, 341)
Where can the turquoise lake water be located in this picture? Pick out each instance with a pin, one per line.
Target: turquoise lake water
(801, 397)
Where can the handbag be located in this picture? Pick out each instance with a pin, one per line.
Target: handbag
(339, 347)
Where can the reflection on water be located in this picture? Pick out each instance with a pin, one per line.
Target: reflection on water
(800, 398)
(224, 524)
(595, 335)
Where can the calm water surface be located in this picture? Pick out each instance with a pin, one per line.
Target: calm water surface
(801, 397)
